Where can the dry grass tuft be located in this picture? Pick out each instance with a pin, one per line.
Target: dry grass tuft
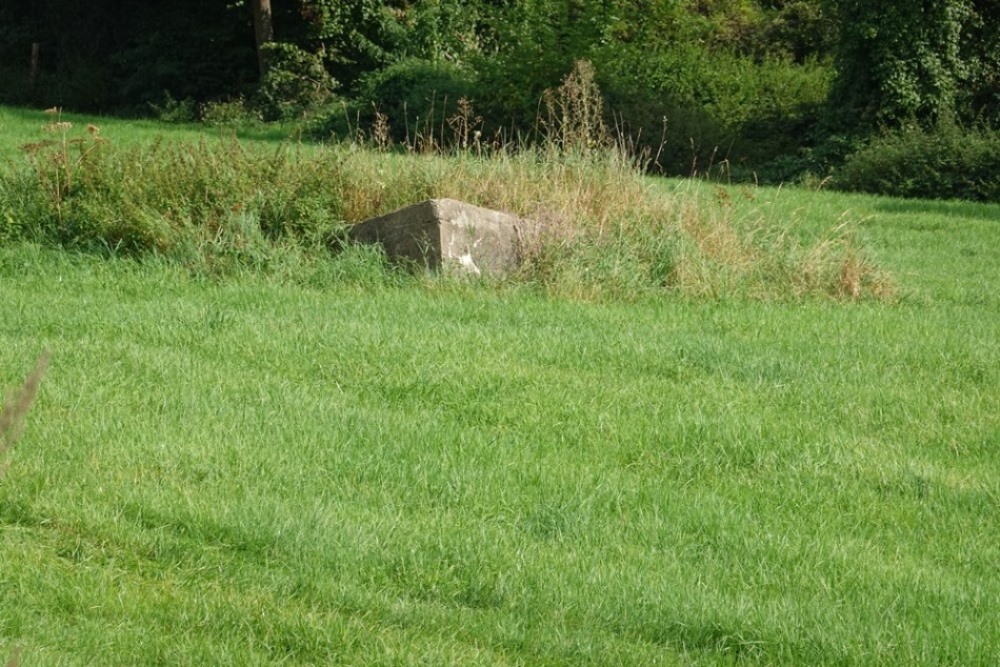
(17, 406)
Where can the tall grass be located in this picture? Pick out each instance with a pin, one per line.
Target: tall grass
(217, 207)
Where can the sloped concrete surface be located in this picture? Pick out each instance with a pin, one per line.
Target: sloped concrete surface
(451, 236)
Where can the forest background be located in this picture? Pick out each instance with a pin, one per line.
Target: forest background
(898, 97)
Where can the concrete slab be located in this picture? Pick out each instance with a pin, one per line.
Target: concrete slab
(450, 236)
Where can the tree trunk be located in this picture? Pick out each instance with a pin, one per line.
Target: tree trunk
(263, 29)
(36, 50)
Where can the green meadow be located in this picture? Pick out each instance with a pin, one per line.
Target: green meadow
(329, 462)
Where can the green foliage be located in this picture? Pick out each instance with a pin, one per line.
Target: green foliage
(196, 50)
(899, 61)
(296, 84)
(696, 109)
(946, 162)
(355, 36)
(447, 30)
(803, 30)
(981, 50)
(414, 97)
(103, 56)
(537, 43)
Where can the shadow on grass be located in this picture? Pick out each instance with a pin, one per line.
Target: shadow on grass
(951, 209)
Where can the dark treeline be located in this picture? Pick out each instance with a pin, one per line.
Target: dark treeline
(769, 87)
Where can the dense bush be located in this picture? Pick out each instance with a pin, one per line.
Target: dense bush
(296, 85)
(412, 97)
(945, 163)
(687, 107)
(712, 107)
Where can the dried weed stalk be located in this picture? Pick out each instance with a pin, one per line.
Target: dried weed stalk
(17, 406)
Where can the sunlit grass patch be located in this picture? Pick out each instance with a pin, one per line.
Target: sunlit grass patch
(248, 470)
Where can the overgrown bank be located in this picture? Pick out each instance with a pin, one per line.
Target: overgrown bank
(224, 206)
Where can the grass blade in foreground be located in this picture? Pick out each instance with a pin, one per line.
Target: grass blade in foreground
(16, 407)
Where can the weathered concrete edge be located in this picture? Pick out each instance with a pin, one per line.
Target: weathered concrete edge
(416, 234)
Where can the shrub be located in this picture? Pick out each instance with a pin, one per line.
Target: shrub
(412, 97)
(170, 110)
(947, 162)
(707, 107)
(296, 84)
(230, 112)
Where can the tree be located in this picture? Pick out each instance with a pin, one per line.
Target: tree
(263, 31)
(355, 36)
(981, 48)
(898, 60)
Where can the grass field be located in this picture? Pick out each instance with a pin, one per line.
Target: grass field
(404, 472)
(19, 126)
